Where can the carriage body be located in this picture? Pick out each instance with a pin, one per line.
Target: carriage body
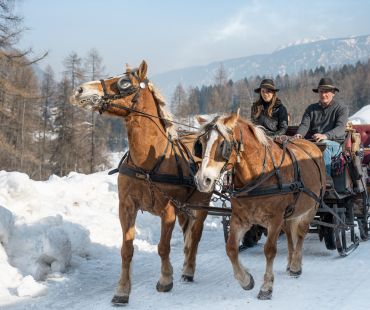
(349, 196)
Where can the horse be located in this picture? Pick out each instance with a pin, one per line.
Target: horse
(276, 185)
(155, 176)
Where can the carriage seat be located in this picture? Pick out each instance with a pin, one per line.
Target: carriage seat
(364, 131)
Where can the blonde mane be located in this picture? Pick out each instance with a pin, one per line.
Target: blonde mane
(258, 132)
(170, 127)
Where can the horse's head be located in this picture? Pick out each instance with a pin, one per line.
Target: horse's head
(217, 147)
(103, 94)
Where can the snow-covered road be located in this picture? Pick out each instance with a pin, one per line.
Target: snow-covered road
(84, 210)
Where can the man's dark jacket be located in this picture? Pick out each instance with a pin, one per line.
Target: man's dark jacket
(330, 120)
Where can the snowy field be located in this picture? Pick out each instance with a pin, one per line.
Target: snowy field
(60, 249)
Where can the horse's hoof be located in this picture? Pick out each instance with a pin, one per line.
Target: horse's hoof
(265, 295)
(295, 274)
(164, 288)
(120, 300)
(185, 278)
(250, 285)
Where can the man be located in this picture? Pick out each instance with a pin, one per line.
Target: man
(325, 121)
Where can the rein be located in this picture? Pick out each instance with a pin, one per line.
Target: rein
(105, 102)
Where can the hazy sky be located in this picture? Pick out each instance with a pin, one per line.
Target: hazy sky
(172, 34)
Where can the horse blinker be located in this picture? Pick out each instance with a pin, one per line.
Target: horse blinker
(198, 149)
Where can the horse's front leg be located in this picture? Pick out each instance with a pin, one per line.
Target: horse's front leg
(273, 232)
(127, 216)
(290, 243)
(302, 227)
(192, 230)
(237, 231)
(168, 219)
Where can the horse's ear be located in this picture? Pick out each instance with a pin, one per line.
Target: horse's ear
(232, 119)
(201, 120)
(141, 72)
(128, 68)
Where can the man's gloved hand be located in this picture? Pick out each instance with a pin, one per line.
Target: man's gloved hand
(318, 137)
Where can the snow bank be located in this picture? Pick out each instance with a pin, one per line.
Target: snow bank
(49, 228)
(362, 116)
(37, 242)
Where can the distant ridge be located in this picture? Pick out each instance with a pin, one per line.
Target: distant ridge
(287, 60)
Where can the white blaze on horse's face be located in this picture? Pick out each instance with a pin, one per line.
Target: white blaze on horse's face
(210, 169)
(87, 95)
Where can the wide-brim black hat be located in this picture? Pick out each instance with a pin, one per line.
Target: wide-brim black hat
(266, 83)
(327, 84)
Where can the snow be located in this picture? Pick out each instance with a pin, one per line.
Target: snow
(60, 249)
(362, 116)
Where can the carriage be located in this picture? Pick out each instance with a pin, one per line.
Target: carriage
(159, 175)
(346, 203)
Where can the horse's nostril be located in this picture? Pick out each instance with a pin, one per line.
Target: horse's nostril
(208, 181)
(80, 90)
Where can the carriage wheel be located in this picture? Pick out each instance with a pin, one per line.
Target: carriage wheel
(328, 233)
(226, 225)
(251, 237)
(363, 218)
(341, 234)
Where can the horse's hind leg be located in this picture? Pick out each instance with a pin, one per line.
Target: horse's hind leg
(168, 219)
(192, 229)
(127, 215)
(270, 253)
(237, 231)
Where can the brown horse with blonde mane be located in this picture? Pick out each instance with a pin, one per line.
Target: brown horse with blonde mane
(157, 174)
(276, 185)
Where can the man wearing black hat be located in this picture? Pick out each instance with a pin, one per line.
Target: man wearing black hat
(268, 111)
(325, 121)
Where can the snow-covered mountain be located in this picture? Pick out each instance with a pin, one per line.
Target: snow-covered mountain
(291, 59)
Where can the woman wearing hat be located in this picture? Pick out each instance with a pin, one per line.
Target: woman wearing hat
(268, 111)
(325, 121)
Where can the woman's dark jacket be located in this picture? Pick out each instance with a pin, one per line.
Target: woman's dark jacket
(277, 124)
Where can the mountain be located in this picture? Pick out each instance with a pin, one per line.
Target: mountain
(291, 60)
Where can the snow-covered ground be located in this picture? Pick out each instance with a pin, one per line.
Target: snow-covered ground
(60, 249)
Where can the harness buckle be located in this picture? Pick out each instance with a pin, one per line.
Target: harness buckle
(142, 176)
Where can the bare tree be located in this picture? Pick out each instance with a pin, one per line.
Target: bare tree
(75, 74)
(48, 93)
(179, 101)
(220, 77)
(94, 71)
(11, 29)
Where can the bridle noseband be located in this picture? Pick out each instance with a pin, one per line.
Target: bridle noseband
(105, 101)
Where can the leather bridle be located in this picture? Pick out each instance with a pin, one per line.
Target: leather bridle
(105, 101)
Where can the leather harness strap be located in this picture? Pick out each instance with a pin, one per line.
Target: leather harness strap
(254, 189)
(138, 173)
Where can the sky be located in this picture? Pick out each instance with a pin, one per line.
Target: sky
(176, 34)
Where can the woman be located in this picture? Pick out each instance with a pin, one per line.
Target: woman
(268, 111)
